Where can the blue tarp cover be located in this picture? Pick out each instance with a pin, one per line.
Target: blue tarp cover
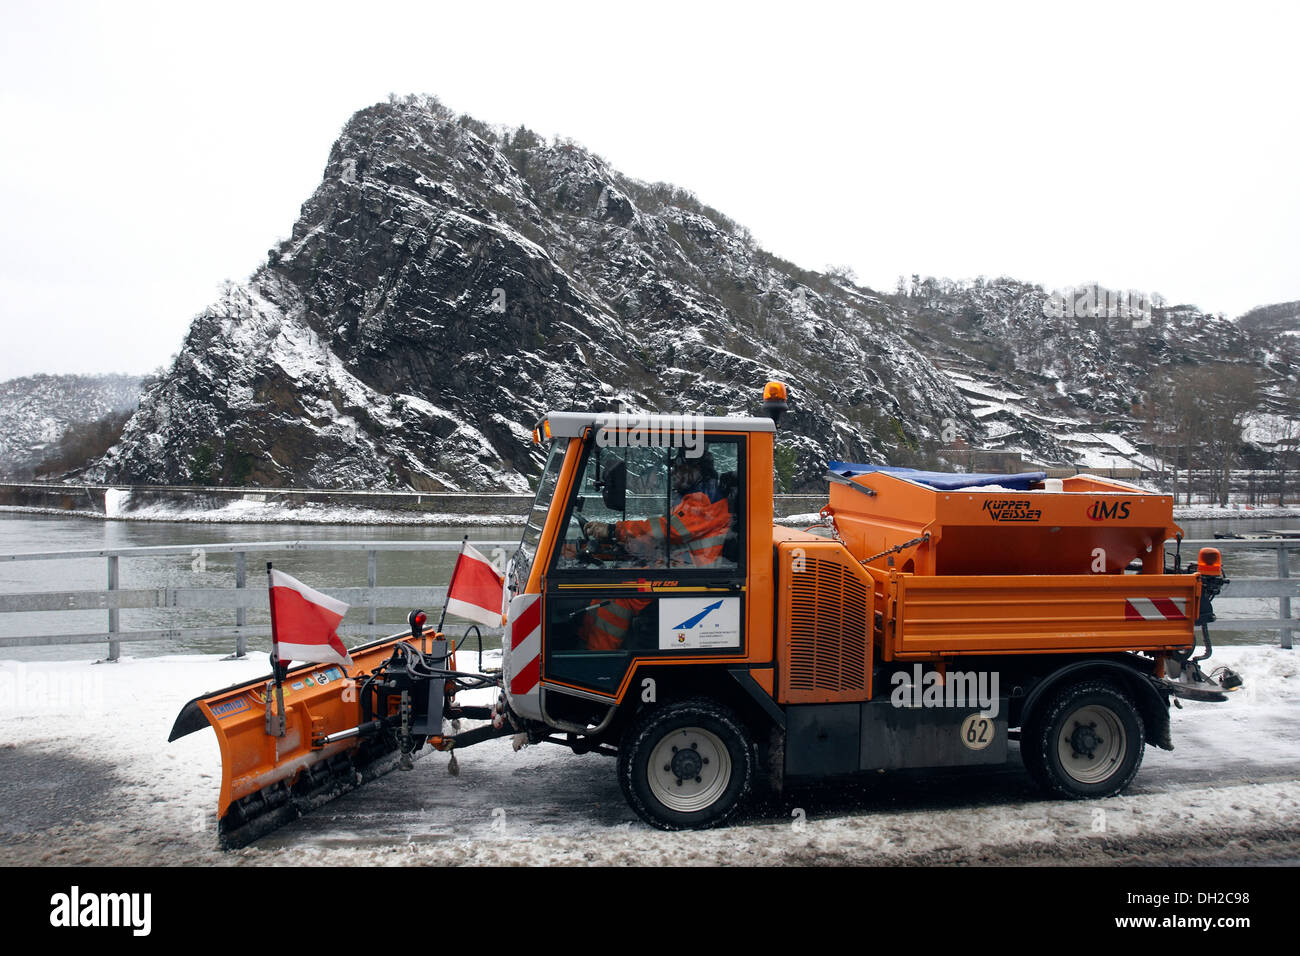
(943, 480)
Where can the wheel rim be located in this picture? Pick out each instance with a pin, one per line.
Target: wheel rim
(690, 768)
(1092, 744)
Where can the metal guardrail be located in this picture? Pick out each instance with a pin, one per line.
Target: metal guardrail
(1283, 587)
(239, 598)
(269, 492)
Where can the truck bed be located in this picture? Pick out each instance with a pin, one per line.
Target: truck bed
(928, 616)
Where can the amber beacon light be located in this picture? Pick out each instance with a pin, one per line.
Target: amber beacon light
(774, 400)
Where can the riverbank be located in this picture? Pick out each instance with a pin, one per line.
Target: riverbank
(242, 511)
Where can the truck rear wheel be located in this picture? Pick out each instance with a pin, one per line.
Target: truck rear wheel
(1086, 743)
(687, 765)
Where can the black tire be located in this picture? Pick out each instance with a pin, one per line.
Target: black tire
(1086, 742)
(698, 736)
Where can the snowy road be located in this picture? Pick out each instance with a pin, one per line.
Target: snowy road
(90, 779)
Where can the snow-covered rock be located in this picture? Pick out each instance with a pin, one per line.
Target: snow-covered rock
(448, 283)
(35, 411)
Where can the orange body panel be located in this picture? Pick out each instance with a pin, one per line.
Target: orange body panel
(825, 618)
(555, 516)
(781, 533)
(824, 657)
(759, 637)
(1035, 614)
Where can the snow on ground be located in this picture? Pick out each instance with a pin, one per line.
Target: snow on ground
(803, 520)
(1220, 512)
(1267, 428)
(252, 512)
(983, 389)
(1105, 450)
(89, 777)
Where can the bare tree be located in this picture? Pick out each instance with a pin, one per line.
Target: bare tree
(1280, 432)
(1181, 419)
(1212, 403)
(1208, 409)
(1158, 429)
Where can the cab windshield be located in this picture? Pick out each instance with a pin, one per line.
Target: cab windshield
(522, 561)
(646, 508)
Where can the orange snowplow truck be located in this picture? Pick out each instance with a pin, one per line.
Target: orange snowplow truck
(657, 614)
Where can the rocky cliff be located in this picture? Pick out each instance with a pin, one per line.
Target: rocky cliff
(36, 411)
(447, 284)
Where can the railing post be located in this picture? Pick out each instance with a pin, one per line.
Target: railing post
(114, 647)
(372, 579)
(1284, 602)
(241, 612)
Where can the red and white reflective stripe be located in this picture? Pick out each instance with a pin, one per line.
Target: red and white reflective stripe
(1155, 609)
(523, 656)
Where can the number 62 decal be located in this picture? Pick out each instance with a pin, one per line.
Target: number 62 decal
(977, 731)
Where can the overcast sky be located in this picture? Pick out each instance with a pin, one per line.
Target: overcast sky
(153, 150)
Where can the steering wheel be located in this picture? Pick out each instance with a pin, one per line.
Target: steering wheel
(598, 550)
(585, 554)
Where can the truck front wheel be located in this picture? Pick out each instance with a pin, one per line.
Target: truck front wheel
(1087, 741)
(687, 765)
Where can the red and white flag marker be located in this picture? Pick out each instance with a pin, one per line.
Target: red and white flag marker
(304, 622)
(476, 588)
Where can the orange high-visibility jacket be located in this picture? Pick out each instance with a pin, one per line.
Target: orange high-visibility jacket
(605, 628)
(696, 531)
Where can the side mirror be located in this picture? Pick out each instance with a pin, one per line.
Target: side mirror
(614, 492)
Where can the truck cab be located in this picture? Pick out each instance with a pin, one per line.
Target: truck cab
(678, 572)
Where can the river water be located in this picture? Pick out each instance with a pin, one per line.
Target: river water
(29, 533)
(200, 568)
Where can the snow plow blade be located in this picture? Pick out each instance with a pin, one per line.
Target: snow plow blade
(268, 780)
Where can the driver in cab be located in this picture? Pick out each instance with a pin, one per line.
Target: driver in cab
(695, 530)
(696, 527)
